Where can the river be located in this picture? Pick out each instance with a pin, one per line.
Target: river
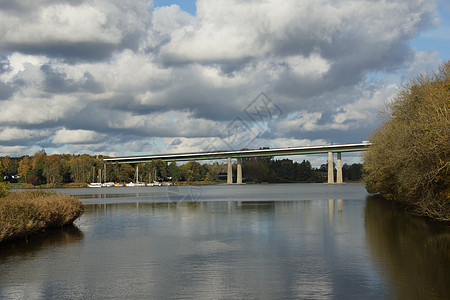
(277, 241)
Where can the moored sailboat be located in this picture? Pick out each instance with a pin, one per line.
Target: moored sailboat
(137, 183)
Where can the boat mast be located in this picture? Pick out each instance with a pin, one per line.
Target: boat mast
(137, 174)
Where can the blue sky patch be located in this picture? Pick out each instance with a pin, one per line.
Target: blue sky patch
(186, 5)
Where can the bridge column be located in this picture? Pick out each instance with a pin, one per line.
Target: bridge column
(239, 172)
(330, 168)
(339, 169)
(229, 172)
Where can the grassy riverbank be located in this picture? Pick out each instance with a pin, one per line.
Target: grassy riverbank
(23, 213)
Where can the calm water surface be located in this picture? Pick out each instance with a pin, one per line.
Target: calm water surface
(287, 241)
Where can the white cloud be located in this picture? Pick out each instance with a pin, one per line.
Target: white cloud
(18, 62)
(79, 136)
(167, 19)
(367, 109)
(89, 29)
(185, 145)
(235, 30)
(34, 110)
(59, 22)
(165, 124)
(17, 150)
(16, 134)
(312, 66)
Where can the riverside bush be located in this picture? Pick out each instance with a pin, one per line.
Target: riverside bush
(25, 212)
(3, 188)
(409, 160)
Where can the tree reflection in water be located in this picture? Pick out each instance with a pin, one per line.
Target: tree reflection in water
(413, 253)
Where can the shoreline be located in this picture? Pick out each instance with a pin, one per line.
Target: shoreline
(25, 186)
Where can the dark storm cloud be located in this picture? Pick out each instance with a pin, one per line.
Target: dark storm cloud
(203, 101)
(67, 51)
(6, 91)
(300, 87)
(333, 136)
(231, 67)
(25, 141)
(89, 117)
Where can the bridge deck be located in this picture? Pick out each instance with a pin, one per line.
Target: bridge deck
(242, 153)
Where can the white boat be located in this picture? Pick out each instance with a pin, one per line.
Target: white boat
(154, 183)
(135, 184)
(95, 185)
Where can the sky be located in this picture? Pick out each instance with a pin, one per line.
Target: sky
(131, 77)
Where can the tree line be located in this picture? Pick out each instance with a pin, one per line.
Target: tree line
(409, 160)
(266, 169)
(41, 169)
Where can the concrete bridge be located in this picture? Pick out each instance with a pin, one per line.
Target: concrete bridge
(239, 154)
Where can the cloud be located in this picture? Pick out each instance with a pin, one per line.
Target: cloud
(17, 150)
(87, 30)
(37, 110)
(165, 124)
(65, 136)
(235, 30)
(57, 82)
(123, 78)
(6, 91)
(15, 135)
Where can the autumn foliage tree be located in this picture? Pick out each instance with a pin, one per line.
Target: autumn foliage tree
(24, 167)
(193, 171)
(410, 156)
(81, 168)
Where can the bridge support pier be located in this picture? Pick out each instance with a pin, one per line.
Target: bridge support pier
(229, 172)
(339, 178)
(339, 169)
(239, 171)
(330, 168)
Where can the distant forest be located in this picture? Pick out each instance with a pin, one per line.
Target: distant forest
(60, 169)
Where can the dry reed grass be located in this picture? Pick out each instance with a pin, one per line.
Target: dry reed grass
(26, 212)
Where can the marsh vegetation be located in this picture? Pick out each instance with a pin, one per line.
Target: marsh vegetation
(23, 213)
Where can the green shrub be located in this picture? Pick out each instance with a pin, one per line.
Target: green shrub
(3, 189)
